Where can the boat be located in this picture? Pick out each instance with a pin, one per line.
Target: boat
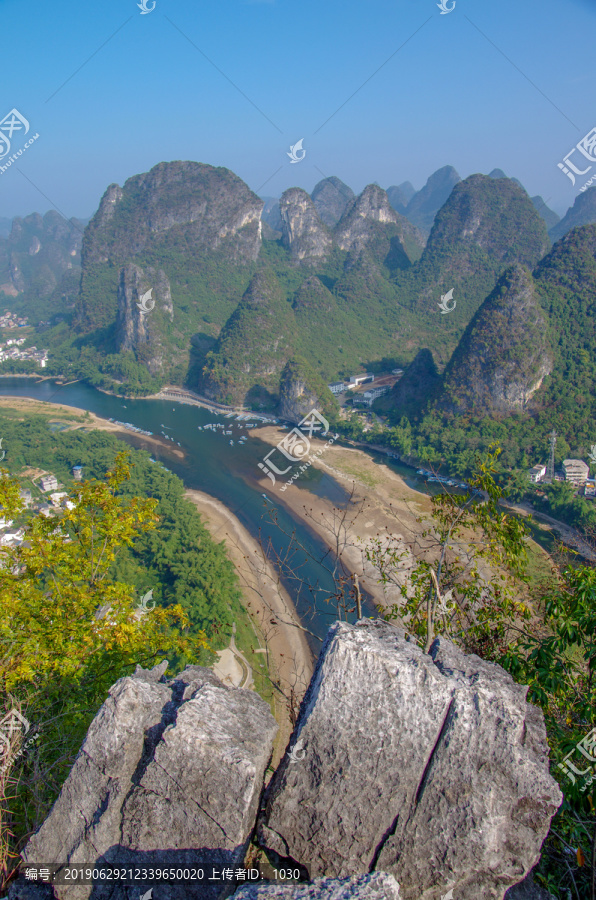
(232, 443)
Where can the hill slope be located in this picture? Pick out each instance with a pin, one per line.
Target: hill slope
(253, 347)
(504, 354)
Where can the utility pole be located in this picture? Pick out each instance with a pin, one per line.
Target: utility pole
(550, 469)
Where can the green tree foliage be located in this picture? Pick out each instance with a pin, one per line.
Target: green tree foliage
(62, 615)
(70, 595)
(556, 657)
(449, 591)
(545, 636)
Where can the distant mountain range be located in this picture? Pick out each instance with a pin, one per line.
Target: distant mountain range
(243, 292)
(420, 207)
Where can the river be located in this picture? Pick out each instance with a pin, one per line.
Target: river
(230, 473)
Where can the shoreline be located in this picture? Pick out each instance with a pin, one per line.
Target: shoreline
(381, 508)
(382, 512)
(290, 660)
(265, 600)
(90, 420)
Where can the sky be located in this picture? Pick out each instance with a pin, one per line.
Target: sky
(380, 91)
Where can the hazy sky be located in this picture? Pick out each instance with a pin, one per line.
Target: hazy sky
(380, 90)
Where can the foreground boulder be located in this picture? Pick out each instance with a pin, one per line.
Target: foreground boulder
(169, 775)
(378, 886)
(528, 890)
(431, 767)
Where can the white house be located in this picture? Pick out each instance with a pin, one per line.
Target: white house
(537, 473)
(48, 483)
(355, 380)
(369, 397)
(576, 470)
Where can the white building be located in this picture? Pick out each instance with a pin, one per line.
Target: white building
(369, 397)
(576, 470)
(10, 538)
(338, 387)
(48, 483)
(355, 380)
(537, 473)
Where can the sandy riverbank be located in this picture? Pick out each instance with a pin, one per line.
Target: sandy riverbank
(290, 658)
(382, 507)
(80, 418)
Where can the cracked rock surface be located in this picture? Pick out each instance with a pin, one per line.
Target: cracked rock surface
(432, 767)
(169, 775)
(378, 886)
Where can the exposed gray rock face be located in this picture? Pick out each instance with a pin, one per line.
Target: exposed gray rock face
(271, 214)
(188, 208)
(300, 391)
(528, 890)
(169, 774)
(442, 779)
(41, 256)
(214, 206)
(378, 886)
(362, 224)
(331, 197)
(141, 331)
(303, 233)
(424, 205)
(296, 399)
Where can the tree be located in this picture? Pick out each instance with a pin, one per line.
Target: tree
(560, 668)
(62, 618)
(448, 590)
(68, 630)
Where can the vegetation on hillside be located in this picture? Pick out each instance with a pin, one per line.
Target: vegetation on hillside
(70, 595)
(544, 634)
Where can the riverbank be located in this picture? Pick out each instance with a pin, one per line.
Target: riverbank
(288, 654)
(383, 512)
(285, 650)
(77, 418)
(382, 508)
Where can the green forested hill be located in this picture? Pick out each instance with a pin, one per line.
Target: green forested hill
(199, 228)
(253, 347)
(564, 284)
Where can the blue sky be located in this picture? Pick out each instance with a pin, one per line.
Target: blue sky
(234, 83)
